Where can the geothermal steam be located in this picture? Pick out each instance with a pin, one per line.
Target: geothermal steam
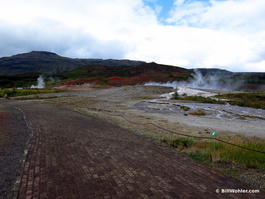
(214, 82)
(40, 84)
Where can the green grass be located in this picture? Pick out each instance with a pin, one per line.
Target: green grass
(22, 92)
(215, 151)
(179, 142)
(250, 99)
(221, 152)
(212, 152)
(245, 158)
(201, 99)
(198, 99)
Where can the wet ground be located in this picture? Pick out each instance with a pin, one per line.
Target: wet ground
(217, 117)
(223, 112)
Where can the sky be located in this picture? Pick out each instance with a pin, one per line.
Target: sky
(225, 34)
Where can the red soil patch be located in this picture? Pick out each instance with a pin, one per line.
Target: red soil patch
(144, 77)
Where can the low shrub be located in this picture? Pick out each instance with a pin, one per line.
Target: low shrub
(179, 142)
(199, 112)
(198, 99)
(201, 99)
(185, 108)
(175, 96)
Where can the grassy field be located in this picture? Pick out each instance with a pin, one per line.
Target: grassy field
(214, 152)
(249, 99)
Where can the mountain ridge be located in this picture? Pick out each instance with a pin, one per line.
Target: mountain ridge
(16, 69)
(51, 63)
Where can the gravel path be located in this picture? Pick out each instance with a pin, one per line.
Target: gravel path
(73, 155)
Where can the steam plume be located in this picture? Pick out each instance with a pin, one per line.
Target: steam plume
(215, 82)
(41, 83)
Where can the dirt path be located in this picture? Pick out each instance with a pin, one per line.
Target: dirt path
(73, 155)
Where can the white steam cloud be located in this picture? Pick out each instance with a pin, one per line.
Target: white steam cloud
(41, 83)
(215, 82)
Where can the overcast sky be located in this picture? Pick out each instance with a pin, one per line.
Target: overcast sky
(226, 34)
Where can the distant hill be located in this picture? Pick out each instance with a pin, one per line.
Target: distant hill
(51, 63)
(21, 70)
(144, 69)
(12, 70)
(125, 75)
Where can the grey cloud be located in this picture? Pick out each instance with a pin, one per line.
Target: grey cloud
(56, 38)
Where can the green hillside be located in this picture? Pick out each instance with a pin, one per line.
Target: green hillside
(143, 69)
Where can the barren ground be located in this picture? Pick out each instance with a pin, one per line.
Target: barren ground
(135, 103)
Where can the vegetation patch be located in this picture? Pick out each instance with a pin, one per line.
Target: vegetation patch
(198, 99)
(179, 142)
(35, 97)
(21, 80)
(199, 112)
(249, 99)
(185, 108)
(222, 152)
(216, 153)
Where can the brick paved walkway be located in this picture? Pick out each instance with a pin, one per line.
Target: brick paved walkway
(14, 137)
(77, 156)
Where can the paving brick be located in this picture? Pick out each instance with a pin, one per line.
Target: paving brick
(72, 155)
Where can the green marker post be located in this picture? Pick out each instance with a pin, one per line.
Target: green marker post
(214, 133)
